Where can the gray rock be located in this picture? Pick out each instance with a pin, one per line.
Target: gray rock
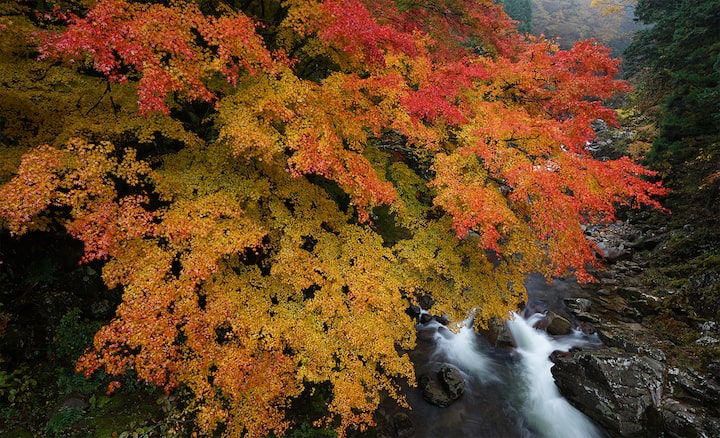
(452, 381)
(619, 390)
(443, 388)
(414, 310)
(631, 338)
(433, 392)
(613, 254)
(578, 305)
(647, 243)
(691, 386)
(497, 333)
(683, 420)
(426, 318)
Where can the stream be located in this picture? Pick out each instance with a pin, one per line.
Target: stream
(509, 392)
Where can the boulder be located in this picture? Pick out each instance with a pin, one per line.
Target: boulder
(557, 325)
(452, 381)
(578, 305)
(433, 392)
(403, 425)
(691, 386)
(620, 390)
(683, 420)
(444, 387)
(497, 333)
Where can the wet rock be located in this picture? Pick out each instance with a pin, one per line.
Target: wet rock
(581, 308)
(683, 420)
(403, 425)
(442, 319)
(647, 243)
(614, 254)
(620, 390)
(689, 385)
(433, 392)
(426, 302)
(587, 328)
(629, 292)
(631, 337)
(443, 388)
(414, 311)
(497, 333)
(557, 325)
(452, 381)
(578, 305)
(426, 318)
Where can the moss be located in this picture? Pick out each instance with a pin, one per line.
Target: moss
(124, 412)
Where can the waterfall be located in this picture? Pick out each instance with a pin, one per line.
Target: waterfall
(545, 411)
(508, 392)
(463, 351)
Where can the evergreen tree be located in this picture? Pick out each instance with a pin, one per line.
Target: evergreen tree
(679, 57)
(520, 10)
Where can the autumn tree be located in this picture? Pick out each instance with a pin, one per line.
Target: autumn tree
(610, 21)
(293, 174)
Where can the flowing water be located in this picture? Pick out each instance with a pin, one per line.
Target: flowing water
(534, 391)
(509, 392)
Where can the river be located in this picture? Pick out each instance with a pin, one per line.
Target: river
(509, 392)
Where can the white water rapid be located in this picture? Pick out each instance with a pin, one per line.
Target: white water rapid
(509, 393)
(463, 351)
(544, 409)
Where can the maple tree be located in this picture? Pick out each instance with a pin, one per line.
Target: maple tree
(354, 157)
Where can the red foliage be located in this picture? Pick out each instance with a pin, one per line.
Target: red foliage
(160, 44)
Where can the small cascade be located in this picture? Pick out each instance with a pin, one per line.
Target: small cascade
(508, 392)
(537, 398)
(463, 350)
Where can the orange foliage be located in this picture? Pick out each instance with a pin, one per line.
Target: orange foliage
(255, 263)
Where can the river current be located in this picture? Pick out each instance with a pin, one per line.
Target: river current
(509, 392)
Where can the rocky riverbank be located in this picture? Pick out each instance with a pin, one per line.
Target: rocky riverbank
(641, 383)
(645, 380)
(655, 308)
